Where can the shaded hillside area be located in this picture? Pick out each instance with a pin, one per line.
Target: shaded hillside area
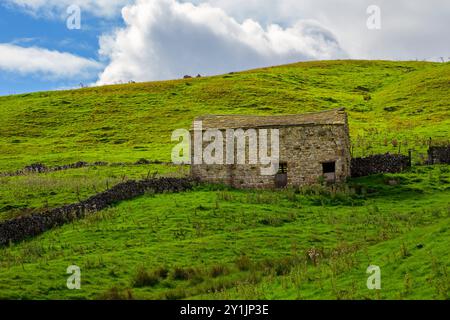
(391, 105)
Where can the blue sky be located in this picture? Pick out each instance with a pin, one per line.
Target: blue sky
(27, 30)
(146, 40)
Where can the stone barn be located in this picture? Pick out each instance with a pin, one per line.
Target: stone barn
(313, 147)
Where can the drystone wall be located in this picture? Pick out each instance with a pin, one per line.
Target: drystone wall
(42, 168)
(439, 154)
(21, 228)
(380, 163)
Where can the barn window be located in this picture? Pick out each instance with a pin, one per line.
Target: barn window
(329, 171)
(329, 167)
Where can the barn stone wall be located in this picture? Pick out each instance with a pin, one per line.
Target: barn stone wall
(304, 148)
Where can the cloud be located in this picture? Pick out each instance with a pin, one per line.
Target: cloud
(409, 29)
(57, 8)
(166, 39)
(39, 61)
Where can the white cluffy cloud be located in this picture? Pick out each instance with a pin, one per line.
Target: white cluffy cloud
(409, 29)
(166, 39)
(53, 64)
(57, 8)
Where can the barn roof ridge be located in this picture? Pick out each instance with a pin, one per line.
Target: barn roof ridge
(232, 121)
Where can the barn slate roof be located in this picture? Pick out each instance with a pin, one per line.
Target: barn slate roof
(333, 117)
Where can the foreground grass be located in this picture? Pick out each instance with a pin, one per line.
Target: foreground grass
(413, 266)
(391, 105)
(222, 243)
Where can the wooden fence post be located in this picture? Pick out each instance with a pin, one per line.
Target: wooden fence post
(410, 157)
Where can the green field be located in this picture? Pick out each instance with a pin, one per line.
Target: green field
(219, 243)
(390, 104)
(33, 192)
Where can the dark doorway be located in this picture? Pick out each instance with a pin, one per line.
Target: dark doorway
(281, 176)
(329, 171)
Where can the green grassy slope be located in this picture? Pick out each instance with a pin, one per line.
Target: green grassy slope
(216, 242)
(38, 191)
(221, 243)
(413, 266)
(402, 101)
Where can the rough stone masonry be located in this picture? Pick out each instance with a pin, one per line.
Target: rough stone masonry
(312, 147)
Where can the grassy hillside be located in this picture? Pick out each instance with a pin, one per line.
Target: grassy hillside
(36, 192)
(389, 103)
(223, 243)
(216, 242)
